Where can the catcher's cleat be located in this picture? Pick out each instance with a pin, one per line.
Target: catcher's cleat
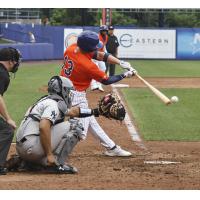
(17, 164)
(117, 151)
(13, 163)
(62, 169)
(3, 170)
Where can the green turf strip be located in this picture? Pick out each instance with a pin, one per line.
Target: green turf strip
(157, 121)
(165, 68)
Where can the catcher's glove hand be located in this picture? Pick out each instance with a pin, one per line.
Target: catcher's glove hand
(110, 106)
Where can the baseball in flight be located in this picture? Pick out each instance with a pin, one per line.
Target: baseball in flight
(174, 99)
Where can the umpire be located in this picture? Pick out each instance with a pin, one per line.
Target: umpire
(9, 62)
(112, 48)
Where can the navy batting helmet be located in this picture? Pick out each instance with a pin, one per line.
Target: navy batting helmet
(103, 28)
(88, 41)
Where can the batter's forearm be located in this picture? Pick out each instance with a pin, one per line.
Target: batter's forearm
(102, 56)
(113, 60)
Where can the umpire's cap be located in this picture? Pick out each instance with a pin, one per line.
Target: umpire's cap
(103, 28)
(10, 53)
(88, 41)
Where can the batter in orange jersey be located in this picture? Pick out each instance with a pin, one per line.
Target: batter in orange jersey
(80, 69)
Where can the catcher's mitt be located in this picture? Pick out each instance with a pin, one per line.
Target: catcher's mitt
(110, 106)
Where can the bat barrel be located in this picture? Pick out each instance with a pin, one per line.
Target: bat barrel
(158, 93)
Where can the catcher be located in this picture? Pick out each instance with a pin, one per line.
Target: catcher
(44, 139)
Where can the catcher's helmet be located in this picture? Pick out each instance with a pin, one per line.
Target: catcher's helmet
(61, 86)
(88, 41)
(103, 28)
(10, 53)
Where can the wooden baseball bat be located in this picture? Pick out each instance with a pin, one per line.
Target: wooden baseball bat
(158, 93)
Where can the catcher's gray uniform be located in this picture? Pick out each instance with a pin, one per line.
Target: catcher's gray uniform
(64, 135)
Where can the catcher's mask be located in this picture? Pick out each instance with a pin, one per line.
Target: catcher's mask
(61, 86)
(11, 54)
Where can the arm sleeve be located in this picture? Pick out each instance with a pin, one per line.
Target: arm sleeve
(112, 79)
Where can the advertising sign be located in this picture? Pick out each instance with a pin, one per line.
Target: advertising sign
(70, 36)
(146, 43)
(188, 44)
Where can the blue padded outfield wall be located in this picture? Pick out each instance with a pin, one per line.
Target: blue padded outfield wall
(37, 51)
(50, 41)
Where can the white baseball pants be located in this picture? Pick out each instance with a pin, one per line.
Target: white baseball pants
(90, 123)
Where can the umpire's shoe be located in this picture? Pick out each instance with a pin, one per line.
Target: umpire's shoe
(3, 170)
(63, 169)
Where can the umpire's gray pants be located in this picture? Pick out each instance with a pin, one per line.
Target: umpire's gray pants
(30, 148)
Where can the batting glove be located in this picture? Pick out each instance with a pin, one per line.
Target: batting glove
(125, 65)
(130, 73)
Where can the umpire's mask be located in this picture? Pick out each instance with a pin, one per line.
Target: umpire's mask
(61, 86)
(10, 53)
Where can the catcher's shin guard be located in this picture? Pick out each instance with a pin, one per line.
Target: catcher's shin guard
(69, 141)
(65, 147)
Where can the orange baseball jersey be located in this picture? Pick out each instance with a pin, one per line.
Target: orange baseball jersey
(104, 40)
(80, 69)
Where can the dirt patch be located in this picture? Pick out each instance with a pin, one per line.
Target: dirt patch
(97, 171)
(43, 88)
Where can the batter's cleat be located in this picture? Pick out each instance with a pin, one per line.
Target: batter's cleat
(94, 85)
(93, 88)
(62, 169)
(101, 88)
(117, 151)
(3, 170)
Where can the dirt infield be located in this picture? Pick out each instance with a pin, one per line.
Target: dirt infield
(97, 171)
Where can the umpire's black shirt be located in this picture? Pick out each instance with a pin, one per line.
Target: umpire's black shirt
(4, 79)
(112, 44)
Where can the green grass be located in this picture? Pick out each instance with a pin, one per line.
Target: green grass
(155, 120)
(159, 122)
(24, 88)
(165, 68)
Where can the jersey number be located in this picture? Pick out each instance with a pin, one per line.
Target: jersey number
(68, 66)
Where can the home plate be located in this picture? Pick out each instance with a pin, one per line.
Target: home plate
(160, 162)
(120, 85)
